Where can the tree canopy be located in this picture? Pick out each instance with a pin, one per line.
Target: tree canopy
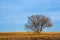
(37, 22)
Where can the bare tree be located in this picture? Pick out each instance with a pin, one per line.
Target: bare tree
(37, 22)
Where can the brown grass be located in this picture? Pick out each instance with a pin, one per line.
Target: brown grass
(29, 36)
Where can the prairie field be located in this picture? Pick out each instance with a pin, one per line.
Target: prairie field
(29, 36)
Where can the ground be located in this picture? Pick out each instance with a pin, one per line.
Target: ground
(29, 36)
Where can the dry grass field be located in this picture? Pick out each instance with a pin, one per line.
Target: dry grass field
(29, 36)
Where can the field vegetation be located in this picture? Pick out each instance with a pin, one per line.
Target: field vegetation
(29, 36)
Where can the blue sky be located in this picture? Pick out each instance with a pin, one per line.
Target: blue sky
(14, 13)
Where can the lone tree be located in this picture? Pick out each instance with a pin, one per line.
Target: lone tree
(37, 22)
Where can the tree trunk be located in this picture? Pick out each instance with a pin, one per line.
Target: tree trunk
(40, 29)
